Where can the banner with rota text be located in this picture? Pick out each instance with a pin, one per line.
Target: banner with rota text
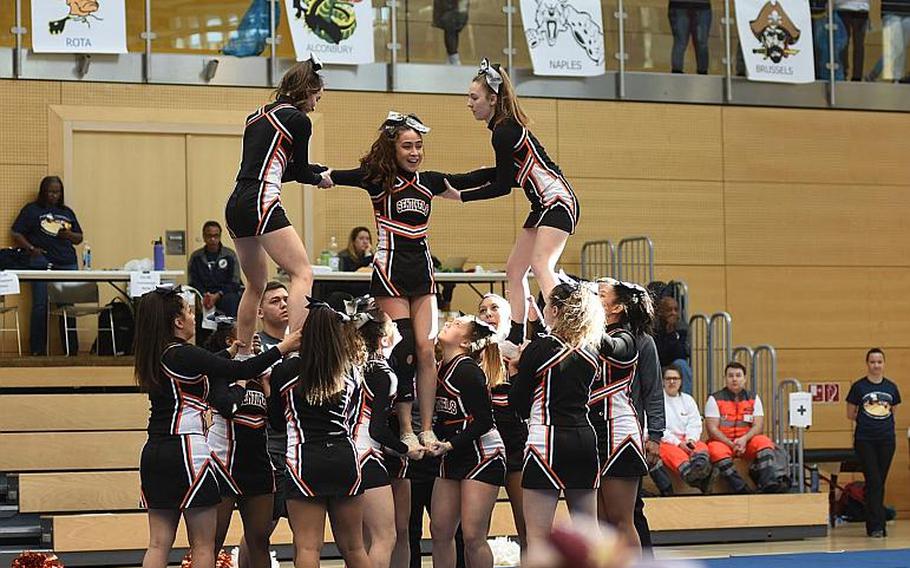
(776, 40)
(337, 31)
(78, 26)
(565, 37)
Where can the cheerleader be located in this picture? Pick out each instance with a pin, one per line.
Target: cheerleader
(551, 386)
(629, 313)
(319, 392)
(372, 434)
(275, 146)
(494, 310)
(521, 161)
(176, 469)
(403, 281)
(472, 468)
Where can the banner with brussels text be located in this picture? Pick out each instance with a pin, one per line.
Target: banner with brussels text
(78, 26)
(776, 40)
(565, 37)
(336, 32)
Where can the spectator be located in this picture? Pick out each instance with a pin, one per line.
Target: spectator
(215, 272)
(735, 417)
(357, 257)
(47, 229)
(451, 16)
(819, 11)
(871, 403)
(672, 343)
(273, 314)
(855, 17)
(690, 19)
(895, 38)
(681, 449)
(359, 253)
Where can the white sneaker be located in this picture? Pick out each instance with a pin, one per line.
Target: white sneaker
(410, 440)
(454, 59)
(427, 438)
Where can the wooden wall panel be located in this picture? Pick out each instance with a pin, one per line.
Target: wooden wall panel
(815, 146)
(795, 307)
(19, 183)
(707, 286)
(639, 141)
(23, 125)
(684, 219)
(813, 224)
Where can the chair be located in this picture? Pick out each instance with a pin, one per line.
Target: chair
(75, 299)
(4, 309)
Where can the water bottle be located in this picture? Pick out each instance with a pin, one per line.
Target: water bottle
(86, 257)
(158, 254)
(334, 261)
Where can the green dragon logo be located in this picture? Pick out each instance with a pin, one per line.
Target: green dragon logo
(332, 20)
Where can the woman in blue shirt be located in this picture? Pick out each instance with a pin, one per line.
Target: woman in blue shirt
(871, 403)
(48, 230)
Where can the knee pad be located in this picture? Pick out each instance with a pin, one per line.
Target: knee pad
(404, 355)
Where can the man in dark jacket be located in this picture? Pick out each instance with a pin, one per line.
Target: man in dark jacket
(648, 398)
(215, 272)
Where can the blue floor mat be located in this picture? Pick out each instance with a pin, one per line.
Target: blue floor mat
(861, 559)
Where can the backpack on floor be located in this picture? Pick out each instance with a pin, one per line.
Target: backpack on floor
(852, 502)
(123, 329)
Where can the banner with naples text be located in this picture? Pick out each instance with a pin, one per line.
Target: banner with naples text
(337, 31)
(565, 37)
(78, 26)
(776, 40)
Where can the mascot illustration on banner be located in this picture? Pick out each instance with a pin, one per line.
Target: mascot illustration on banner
(82, 11)
(554, 17)
(332, 20)
(776, 32)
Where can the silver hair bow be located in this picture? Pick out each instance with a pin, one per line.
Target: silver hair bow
(317, 64)
(360, 310)
(491, 74)
(411, 121)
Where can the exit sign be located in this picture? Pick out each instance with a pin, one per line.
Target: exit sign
(825, 392)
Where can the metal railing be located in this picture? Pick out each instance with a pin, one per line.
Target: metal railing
(598, 259)
(680, 292)
(635, 260)
(711, 347)
(788, 438)
(621, 83)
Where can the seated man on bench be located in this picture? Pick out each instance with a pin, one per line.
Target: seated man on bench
(681, 450)
(734, 417)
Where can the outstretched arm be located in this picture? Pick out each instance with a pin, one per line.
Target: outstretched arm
(505, 137)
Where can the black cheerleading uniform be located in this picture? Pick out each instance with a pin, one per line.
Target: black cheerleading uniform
(552, 389)
(521, 161)
(402, 264)
(276, 142)
(239, 441)
(321, 457)
(177, 469)
(464, 418)
(371, 426)
(277, 438)
(613, 414)
(512, 429)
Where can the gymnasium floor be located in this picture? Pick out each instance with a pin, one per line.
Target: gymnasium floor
(849, 543)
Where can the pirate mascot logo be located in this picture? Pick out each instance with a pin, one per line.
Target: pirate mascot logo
(556, 16)
(332, 20)
(776, 32)
(82, 11)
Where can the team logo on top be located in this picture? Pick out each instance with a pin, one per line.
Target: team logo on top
(53, 224)
(776, 32)
(877, 405)
(412, 205)
(82, 11)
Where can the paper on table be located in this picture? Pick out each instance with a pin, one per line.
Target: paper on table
(9, 283)
(142, 282)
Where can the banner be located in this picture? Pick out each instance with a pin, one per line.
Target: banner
(78, 26)
(776, 40)
(337, 31)
(565, 37)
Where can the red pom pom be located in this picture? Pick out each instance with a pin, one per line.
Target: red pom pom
(224, 560)
(36, 560)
